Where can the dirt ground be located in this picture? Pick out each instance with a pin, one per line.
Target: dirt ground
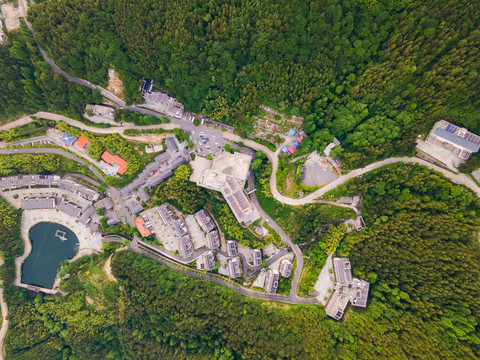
(115, 85)
(267, 126)
(108, 270)
(11, 16)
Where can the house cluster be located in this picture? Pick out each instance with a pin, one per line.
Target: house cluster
(449, 144)
(52, 198)
(154, 173)
(294, 147)
(347, 289)
(228, 174)
(160, 100)
(271, 277)
(113, 218)
(119, 165)
(185, 245)
(207, 260)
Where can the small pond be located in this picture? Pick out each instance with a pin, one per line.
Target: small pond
(51, 244)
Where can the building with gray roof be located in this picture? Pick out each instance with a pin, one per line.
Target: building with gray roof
(135, 207)
(185, 246)
(234, 268)
(271, 281)
(213, 240)
(69, 208)
(207, 261)
(171, 144)
(346, 290)
(143, 194)
(257, 257)
(204, 220)
(38, 203)
(114, 220)
(87, 215)
(231, 248)
(285, 268)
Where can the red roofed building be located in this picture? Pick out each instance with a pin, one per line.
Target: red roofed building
(115, 159)
(300, 139)
(140, 224)
(82, 142)
(292, 149)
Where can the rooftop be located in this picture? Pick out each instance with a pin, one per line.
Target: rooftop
(115, 159)
(38, 203)
(82, 142)
(204, 220)
(213, 241)
(67, 138)
(142, 227)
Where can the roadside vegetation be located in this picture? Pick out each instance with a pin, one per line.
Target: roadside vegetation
(299, 222)
(46, 164)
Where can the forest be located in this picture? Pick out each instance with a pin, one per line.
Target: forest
(375, 74)
(419, 251)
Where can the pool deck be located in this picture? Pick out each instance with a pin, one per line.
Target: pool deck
(88, 243)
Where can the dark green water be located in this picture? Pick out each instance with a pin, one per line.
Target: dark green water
(48, 251)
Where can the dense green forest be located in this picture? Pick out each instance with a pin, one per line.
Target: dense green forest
(373, 73)
(28, 85)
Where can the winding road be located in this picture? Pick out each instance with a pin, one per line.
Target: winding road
(272, 156)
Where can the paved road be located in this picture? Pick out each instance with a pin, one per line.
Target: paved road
(53, 151)
(310, 198)
(111, 130)
(226, 282)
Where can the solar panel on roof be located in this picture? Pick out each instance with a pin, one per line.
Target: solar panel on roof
(449, 126)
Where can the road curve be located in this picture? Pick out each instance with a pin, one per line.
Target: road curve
(53, 151)
(459, 178)
(111, 130)
(228, 283)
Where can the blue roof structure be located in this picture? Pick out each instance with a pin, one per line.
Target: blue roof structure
(67, 138)
(457, 140)
(285, 149)
(291, 132)
(297, 144)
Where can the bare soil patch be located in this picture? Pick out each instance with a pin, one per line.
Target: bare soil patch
(115, 85)
(108, 269)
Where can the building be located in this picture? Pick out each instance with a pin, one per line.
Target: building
(257, 257)
(87, 215)
(207, 261)
(69, 208)
(271, 281)
(213, 240)
(101, 110)
(228, 174)
(185, 246)
(82, 143)
(449, 144)
(234, 268)
(166, 214)
(147, 86)
(204, 220)
(291, 132)
(67, 139)
(292, 149)
(346, 290)
(359, 223)
(231, 248)
(143, 226)
(285, 268)
(115, 160)
(38, 203)
(134, 207)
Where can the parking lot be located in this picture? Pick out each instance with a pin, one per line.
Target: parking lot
(207, 142)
